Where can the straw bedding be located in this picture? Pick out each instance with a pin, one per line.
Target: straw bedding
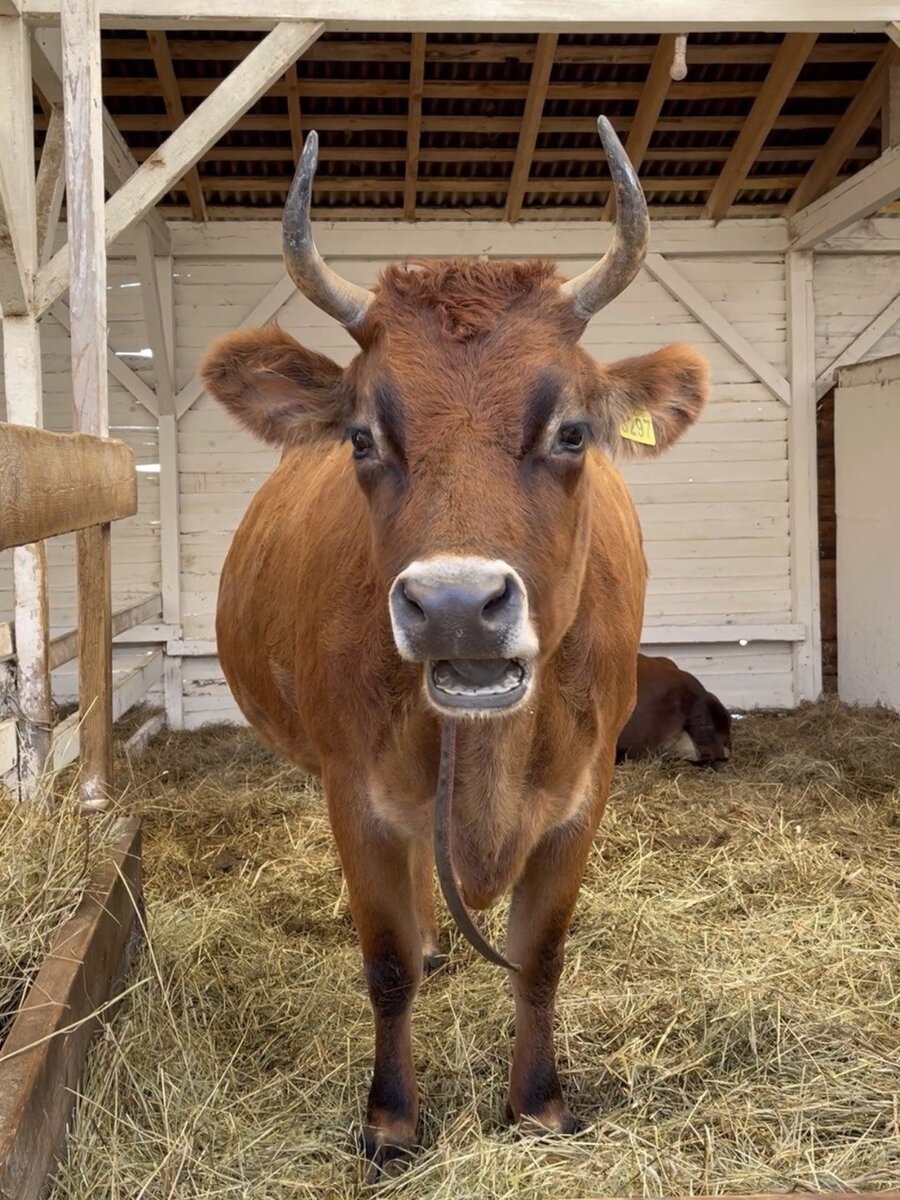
(728, 1017)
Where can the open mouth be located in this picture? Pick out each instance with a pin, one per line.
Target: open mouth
(477, 684)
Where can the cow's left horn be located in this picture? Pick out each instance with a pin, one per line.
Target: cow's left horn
(345, 301)
(602, 282)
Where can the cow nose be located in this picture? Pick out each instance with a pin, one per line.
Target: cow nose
(449, 609)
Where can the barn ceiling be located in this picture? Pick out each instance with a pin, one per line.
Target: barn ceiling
(502, 127)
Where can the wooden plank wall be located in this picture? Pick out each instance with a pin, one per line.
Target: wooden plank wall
(714, 509)
(136, 570)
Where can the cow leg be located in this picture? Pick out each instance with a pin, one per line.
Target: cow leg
(541, 908)
(422, 862)
(377, 866)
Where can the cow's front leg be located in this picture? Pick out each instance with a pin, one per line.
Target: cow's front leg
(422, 862)
(541, 908)
(377, 868)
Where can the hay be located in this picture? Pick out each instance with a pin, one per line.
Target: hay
(46, 857)
(728, 1019)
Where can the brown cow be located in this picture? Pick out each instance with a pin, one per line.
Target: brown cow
(472, 556)
(675, 715)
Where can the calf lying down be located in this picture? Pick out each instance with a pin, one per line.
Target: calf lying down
(675, 715)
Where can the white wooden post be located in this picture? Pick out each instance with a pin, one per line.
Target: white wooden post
(24, 399)
(803, 475)
(87, 248)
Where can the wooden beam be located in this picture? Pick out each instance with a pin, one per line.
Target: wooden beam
(119, 370)
(859, 115)
(696, 304)
(60, 482)
(892, 29)
(890, 109)
(18, 247)
(860, 346)
(802, 475)
(51, 184)
(47, 1044)
(787, 65)
(200, 130)
(295, 114)
(262, 312)
(538, 83)
(500, 16)
(414, 123)
(653, 95)
(119, 162)
(857, 197)
(64, 648)
(168, 82)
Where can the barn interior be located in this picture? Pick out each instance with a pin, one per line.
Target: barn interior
(771, 168)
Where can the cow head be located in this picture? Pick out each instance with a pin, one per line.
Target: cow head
(473, 419)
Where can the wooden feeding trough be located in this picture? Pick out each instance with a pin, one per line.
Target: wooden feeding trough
(52, 484)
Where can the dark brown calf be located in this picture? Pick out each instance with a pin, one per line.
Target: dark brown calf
(447, 540)
(675, 715)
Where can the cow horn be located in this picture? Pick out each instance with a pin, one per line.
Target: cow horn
(345, 301)
(601, 283)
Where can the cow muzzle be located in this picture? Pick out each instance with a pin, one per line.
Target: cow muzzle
(467, 621)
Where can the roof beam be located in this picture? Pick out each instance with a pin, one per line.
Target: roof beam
(538, 83)
(859, 196)
(119, 163)
(859, 115)
(295, 112)
(205, 125)
(414, 123)
(792, 54)
(892, 29)
(51, 184)
(647, 113)
(168, 82)
(502, 16)
(890, 109)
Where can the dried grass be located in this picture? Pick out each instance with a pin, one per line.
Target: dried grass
(728, 1019)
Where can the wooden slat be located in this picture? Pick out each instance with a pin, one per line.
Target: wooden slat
(51, 184)
(295, 114)
(58, 482)
(414, 123)
(538, 84)
(64, 648)
(860, 346)
(18, 248)
(792, 54)
(859, 115)
(42, 1059)
(653, 96)
(168, 81)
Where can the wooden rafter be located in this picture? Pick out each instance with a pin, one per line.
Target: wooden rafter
(862, 194)
(414, 123)
(295, 112)
(788, 62)
(890, 109)
(653, 95)
(538, 86)
(168, 81)
(858, 117)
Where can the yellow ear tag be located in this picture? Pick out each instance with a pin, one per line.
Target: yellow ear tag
(639, 428)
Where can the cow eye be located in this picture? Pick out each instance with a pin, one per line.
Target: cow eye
(571, 438)
(363, 443)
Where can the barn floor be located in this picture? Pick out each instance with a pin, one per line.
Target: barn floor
(729, 1019)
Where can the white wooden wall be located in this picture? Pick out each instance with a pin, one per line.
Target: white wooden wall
(714, 509)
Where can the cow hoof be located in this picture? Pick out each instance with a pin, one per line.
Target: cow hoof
(387, 1153)
(433, 962)
(554, 1120)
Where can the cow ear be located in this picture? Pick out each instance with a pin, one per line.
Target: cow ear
(283, 393)
(646, 403)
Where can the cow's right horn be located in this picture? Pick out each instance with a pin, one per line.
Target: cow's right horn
(602, 282)
(345, 301)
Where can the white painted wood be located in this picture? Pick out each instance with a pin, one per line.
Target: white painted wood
(497, 16)
(378, 240)
(249, 80)
(273, 301)
(860, 346)
(137, 743)
(856, 198)
(867, 500)
(119, 370)
(51, 184)
(119, 162)
(18, 246)
(9, 754)
(892, 29)
(700, 307)
(154, 319)
(803, 476)
(875, 235)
